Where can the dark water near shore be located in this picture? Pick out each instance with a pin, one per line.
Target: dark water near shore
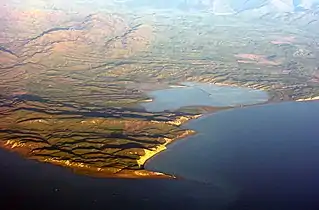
(256, 158)
(27, 184)
(195, 94)
(263, 157)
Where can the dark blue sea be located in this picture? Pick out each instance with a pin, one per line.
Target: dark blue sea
(256, 158)
(262, 157)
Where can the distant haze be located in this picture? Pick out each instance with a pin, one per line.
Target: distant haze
(213, 6)
(227, 6)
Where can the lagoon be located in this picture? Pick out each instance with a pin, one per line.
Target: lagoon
(203, 94)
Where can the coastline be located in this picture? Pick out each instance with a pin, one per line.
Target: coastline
(206, 110)
(210, 110)
(149, 153)
(308, 99)
(141, 173)
(83, 169)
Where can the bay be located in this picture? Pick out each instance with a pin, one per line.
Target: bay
(262, 156)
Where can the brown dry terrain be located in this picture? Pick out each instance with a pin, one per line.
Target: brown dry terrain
(55, 92)
(71, 83)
